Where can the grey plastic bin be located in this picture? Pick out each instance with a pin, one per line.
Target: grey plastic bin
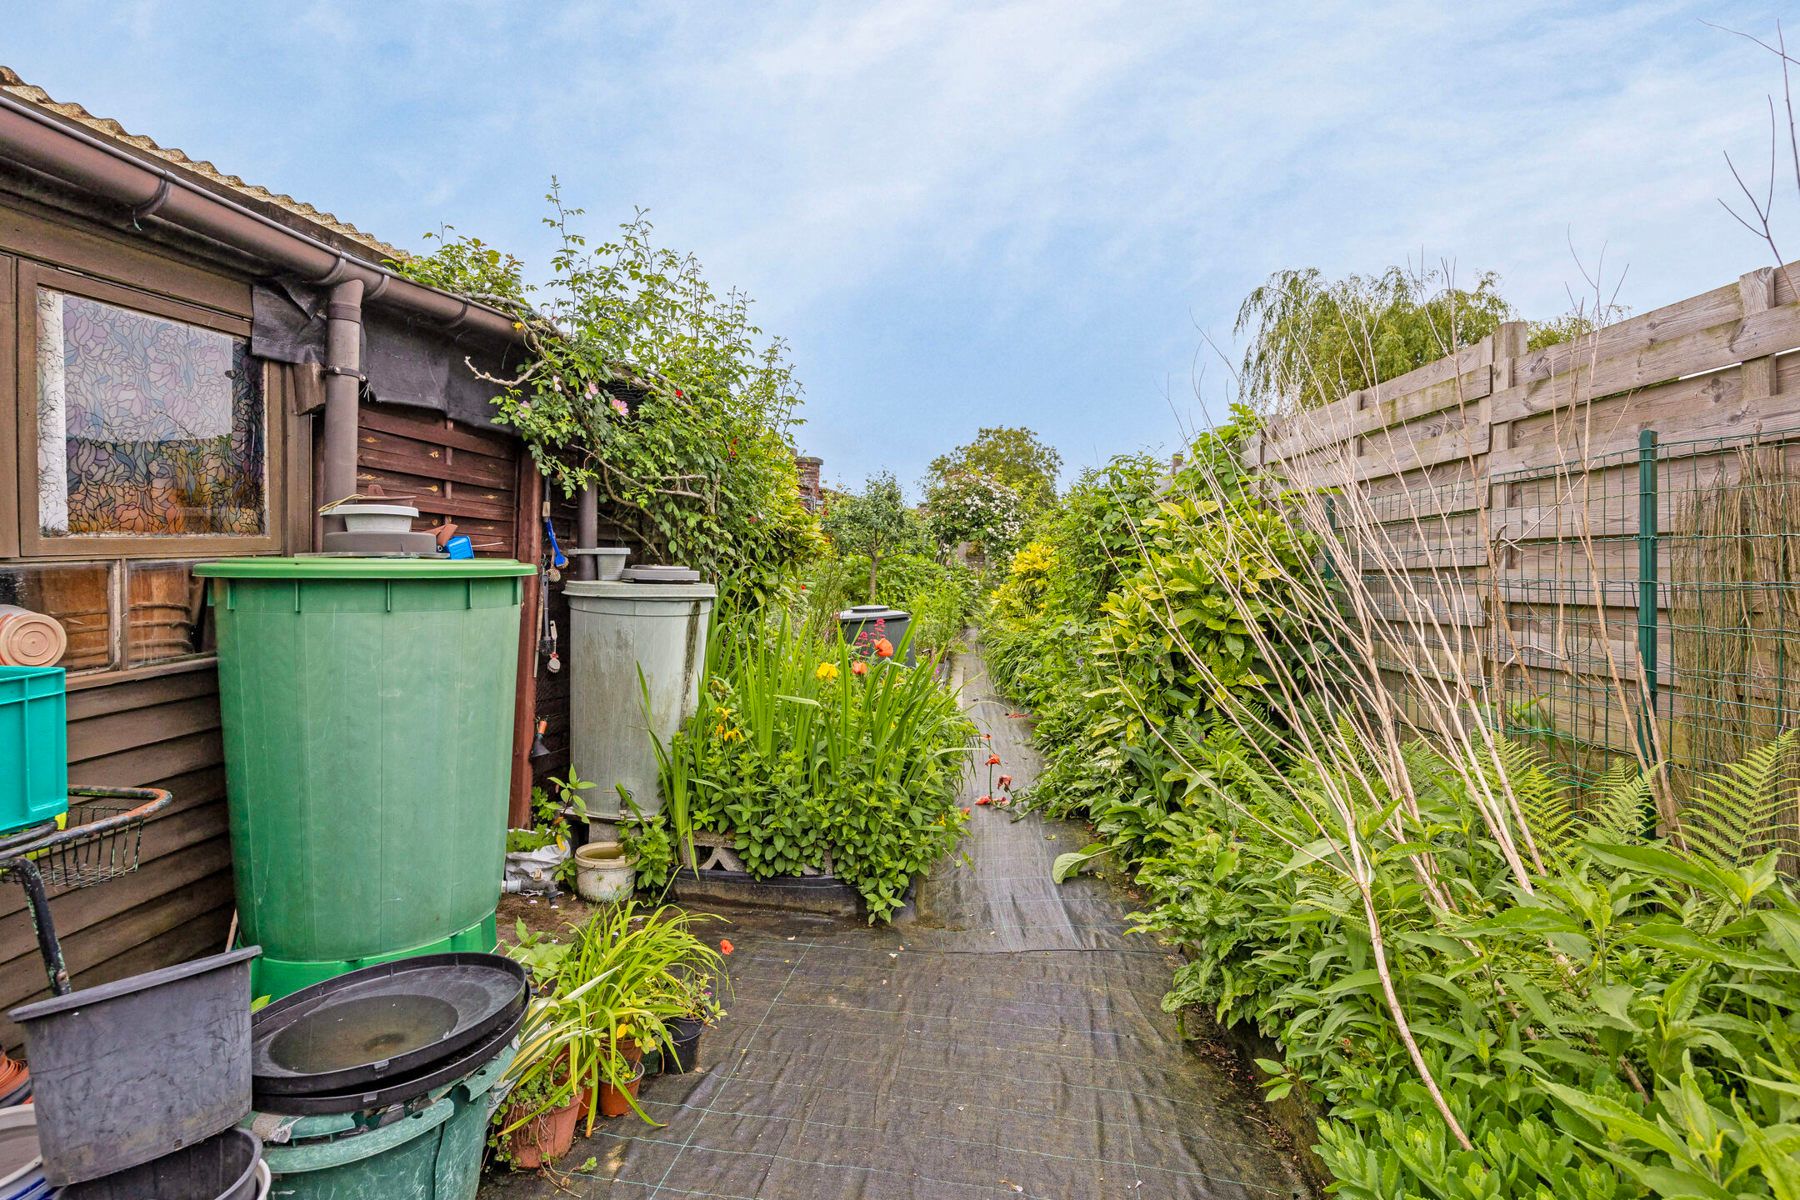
(133, 1070)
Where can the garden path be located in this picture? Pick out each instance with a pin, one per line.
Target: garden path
(1004, 1039)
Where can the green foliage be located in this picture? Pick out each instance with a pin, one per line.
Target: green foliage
(1313, 340)
(941, 596)
(874, 523)
(644, 382)
(807, 752)
(965, 507)
(623, 975)
(1010, 455)
(1098, 624)
(1630, 1026)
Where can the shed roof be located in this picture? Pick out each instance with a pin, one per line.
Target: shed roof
(284, 208)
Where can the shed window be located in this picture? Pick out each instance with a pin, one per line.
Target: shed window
(147, 427)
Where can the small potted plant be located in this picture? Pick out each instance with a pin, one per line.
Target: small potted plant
(699, 990)
(604, 996)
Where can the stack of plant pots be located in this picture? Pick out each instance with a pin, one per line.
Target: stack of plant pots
(381, 1082)
(139, 1085)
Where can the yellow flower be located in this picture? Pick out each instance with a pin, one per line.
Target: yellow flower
(827, 671)
(731, 735)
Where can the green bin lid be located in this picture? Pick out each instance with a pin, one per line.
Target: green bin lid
(330, 567)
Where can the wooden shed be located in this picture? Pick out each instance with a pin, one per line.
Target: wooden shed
(128, 270)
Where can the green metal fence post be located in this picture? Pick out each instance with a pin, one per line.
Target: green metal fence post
(1647, 591)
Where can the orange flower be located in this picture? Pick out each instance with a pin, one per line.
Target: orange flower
(985, 800)
(967, 811)
(725, 946)
(1006, 783)
(860, 668)
(987, 737)
(993, 760)
(884, 649)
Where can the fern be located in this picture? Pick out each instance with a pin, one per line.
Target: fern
(1544, 801)
(1739, 814)
(1618, 807)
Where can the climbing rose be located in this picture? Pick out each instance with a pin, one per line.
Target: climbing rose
(860, 668)
(884, 649)
(827, 671)
(725, 946)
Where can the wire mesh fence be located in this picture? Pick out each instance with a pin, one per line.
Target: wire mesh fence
(1648, 602)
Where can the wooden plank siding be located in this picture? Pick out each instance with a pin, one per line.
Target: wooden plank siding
(162, 732)
(1504, 482)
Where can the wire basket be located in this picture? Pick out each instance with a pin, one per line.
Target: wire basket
(99, 840)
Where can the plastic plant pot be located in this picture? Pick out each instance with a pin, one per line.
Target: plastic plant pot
(685, 1033)
(609, 561)
(603, 873)
(547, 1136)
(615, 1102)
(225, 1167)
(137, 1069)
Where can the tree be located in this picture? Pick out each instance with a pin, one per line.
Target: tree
(875, 521)
(1313, 340)
(640, 380)
(1010, 454)
(964, 507)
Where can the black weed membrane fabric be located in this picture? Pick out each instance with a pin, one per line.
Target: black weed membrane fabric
(1004, 1039)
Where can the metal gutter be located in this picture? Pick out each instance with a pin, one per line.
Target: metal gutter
(36, 139)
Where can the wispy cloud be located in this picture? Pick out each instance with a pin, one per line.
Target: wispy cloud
(983, 212)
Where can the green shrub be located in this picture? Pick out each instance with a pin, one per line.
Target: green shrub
(806, 749)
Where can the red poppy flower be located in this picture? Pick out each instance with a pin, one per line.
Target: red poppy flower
(884, 649)
(985, 800)
(860, 668)
(1006, 783)
(993, 760)
(967, 811)
(725, 946)
(987, 737)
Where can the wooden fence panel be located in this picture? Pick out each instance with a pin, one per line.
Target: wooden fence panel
(1503, 485)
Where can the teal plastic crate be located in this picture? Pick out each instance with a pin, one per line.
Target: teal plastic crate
(34, 746)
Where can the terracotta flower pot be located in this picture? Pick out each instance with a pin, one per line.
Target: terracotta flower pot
(616, 1101)
(547, 1136)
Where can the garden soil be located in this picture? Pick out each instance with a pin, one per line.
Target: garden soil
(1004, 1038)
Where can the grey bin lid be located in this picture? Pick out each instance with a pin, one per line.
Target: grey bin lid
(645, 573)
(870, 613)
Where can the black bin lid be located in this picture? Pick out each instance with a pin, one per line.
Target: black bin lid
(382, 1022)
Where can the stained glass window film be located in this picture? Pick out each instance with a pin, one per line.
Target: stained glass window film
(146, 426)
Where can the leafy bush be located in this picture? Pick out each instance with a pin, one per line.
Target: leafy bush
(807, 749)
(1625, 1022)
(642, 381)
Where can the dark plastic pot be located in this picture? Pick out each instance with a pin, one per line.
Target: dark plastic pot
(135, 1070)
(220, 1168)
(685, 1032)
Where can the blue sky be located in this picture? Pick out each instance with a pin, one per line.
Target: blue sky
(966, 214)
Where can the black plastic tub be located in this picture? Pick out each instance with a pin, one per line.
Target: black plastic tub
(222, 1167)
(135, 1070)
(685, 1055)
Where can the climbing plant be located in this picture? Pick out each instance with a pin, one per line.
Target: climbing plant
(641, 380)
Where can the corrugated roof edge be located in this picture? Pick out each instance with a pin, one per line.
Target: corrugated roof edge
(284, 208)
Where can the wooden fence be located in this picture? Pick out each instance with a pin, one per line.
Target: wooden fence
(1568, 516)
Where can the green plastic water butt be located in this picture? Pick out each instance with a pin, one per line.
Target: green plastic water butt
(367, 707)
(432, 1154)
